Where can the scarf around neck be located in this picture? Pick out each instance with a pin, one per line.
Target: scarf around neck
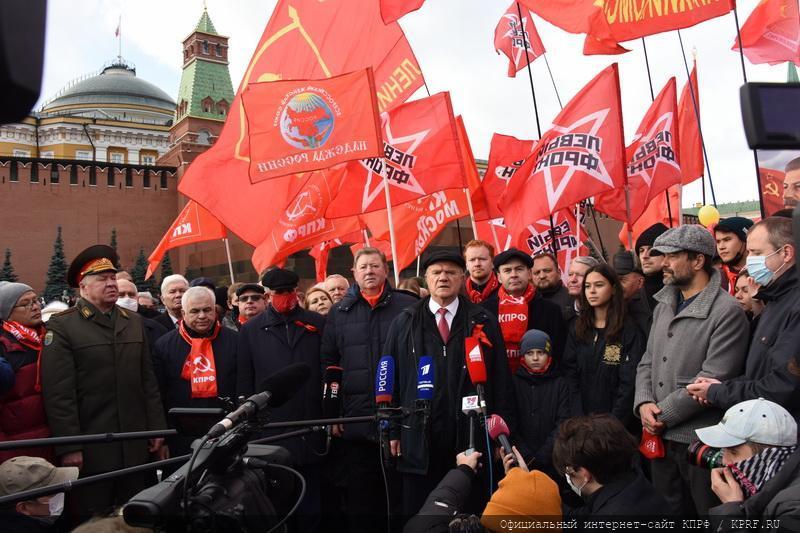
(476, 296)
(199, 368)
(753, 473)
(512, 313)
(30, 338)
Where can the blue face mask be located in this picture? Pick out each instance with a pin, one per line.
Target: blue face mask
(758, 270)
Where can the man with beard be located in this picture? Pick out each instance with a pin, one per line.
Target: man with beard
(632, 281)
(651, 264)
(791, 183)
(546, 277)
(698, 331)
(731, 237)
(482, 281)
(172, 289)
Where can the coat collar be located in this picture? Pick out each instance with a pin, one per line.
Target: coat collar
(118, 320)
(702, 304)
(353, 296)
(780, 287)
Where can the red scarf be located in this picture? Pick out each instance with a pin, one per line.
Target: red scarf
(30, 338)
(732, 276)
(199, 369)
(512, 313)
(241, 319)
(476, 296)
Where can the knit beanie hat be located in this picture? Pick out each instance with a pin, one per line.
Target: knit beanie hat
(535, 339)
(9, 294)
(648, 236)
(739, 226)
(521, 493)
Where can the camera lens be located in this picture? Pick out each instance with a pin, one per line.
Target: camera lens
(703, 455)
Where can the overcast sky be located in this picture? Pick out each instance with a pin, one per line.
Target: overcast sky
(453, 41)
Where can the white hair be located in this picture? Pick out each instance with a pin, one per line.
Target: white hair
(169, 280)
(146, 294)
(191, 292)
(337, 276)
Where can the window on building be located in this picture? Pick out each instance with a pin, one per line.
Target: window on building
(34, 172)
(13, 172)
(146, 179)
(148, 159)
(128, 177)
(54, 178)
(116, 157)
(83, 155)
(111, 177)
(21, 153)
(218, 50)
(164, 181)
(47, 155)
(205, 47)
(73, 174)
(93, 176)
(203, 137)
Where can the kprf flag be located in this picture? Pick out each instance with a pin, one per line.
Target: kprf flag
(657, 212)
(421, 155)
(607, 23)
(506, 155)
(689, 131)
(304, 39)
(517, 39)
(582, 155)
(302, 224)
(194, 224)
(653, 160)
(418, 222)
(304, 125)
(563, 238)
(391, 10)
(771, 33)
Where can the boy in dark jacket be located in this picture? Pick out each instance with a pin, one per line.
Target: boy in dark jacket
(542, 396)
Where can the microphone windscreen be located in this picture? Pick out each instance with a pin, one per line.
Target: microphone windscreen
(474, 359)
(425, 378)
(333, 374)
(285, 383)
(384, 380)
(496, 426)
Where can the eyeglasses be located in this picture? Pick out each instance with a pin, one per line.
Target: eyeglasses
(31, 304)
(251, 298)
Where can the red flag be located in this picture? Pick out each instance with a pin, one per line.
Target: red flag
(417, 223)
(391, 10)
(771, 183)
(321, 250)
(479, 206)
(519, 41)
(304, 39)
(303, 125)
(302, 224)
(609, 22)
(421, 156)
(506, 155)
(582, 155)
(653, 163)
(495, 232)
(383, 246)
(689, 131)
(657, 212)
(771, 33)
(194, 224)
(569, 235)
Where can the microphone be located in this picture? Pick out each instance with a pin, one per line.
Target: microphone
(476, 368)
(331, 401)
(384, 391)
(498, 430)
(425, 380)
(277, 390)
(470, 406)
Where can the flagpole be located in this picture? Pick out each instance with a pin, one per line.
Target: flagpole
(744, 77)
(652, 99)
(119, 38)
(699, 127)
(230, 263)
(535, 107)
(597, 229)
(419, 257)
(553, 80)
(471, 213)
(392, 239)
(366, 237)
(494, 234)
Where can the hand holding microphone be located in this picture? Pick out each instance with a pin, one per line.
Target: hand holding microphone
(498, 430)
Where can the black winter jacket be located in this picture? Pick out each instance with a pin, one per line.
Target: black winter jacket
(774, 344)
(602, 377)
(448, 499)
(629, 495)
(270, 342)
(543, 315)
(413, 334)
(543, 402)
(354, 337)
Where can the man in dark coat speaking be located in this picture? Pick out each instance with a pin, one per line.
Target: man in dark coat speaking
(439, 326)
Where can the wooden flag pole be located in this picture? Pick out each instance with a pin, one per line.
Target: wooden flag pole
(471, 214)
(366, 237)
(392, 239)
(744, 77)
(230, 263)
(496, 240)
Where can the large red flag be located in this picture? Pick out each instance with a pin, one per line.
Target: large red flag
(495, 232)
(304, 39)
(473, 177)
(609, 22)
(653, 163)
(771, 182)
(304, 125)
(391, 10)
(302, 224)
(656, 212)
(569, 235)
(582, 155)
(417, 223)
(689, 131)
(321, 251)
(518, 40)
(506, 155)
(194, 224)
(771, 33)
(421, 156)
(383, 245)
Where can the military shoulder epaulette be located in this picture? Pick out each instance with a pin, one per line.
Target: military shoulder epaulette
(65, 312)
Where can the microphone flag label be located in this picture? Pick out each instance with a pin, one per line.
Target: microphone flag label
(425, 376)
(384, 380)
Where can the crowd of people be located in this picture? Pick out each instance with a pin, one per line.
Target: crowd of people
(608, 387)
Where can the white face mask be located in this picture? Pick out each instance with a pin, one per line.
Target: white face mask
(577, 490)
(128, 303)
(57, 505)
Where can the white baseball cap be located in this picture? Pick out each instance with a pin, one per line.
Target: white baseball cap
(760, 421)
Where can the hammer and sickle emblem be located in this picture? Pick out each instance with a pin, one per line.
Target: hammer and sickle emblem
(201, 364)
(272, 76)
(771, 189)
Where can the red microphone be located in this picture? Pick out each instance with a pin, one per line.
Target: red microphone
(498, 430)
(476, 367)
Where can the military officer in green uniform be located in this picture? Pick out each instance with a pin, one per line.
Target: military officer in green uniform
(97, 377)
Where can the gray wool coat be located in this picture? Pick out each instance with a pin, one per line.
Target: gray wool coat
(708, 338)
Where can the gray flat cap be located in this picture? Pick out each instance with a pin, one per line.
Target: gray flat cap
(689, 237)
